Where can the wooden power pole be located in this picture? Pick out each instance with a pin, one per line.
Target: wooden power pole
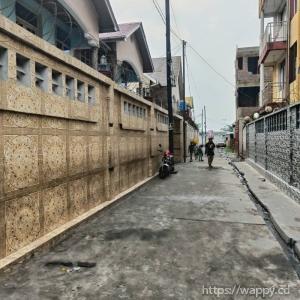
(169, 79)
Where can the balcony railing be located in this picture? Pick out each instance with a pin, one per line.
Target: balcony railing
(275, 32)
(273, 92)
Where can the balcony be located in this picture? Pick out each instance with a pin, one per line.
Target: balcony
(273, 92)
(274, 43)
(271, 7)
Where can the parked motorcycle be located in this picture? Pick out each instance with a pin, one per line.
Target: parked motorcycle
(167, 165)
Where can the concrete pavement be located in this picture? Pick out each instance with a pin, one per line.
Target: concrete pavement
(171, 239)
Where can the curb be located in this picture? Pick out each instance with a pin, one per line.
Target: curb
(59, 234)
(290, 242)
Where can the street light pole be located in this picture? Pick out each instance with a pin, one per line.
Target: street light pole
(169, 79)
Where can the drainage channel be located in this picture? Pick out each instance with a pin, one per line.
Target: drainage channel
(288, 248)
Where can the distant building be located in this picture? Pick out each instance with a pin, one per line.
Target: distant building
(159, 91)
(125, 56)
(247, 90)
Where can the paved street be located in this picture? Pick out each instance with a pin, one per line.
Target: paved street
(165, 241)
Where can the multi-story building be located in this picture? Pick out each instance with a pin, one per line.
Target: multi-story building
(279, 48)
(247, 90)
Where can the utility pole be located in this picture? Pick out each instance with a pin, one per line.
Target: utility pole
(183, 88)
(169, 79)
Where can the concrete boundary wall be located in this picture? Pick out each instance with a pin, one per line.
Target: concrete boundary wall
(67, 140)
(273, 148)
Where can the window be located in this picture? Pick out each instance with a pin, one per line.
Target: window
(57, 83)
(80, 91)
(41, 76)
(253, 64)
(240, 63)
(91, 94)
(85, 55)
(282, 76)
(130, 108)
(69, 87)
(27, 19)
(62, 41)
(293, 62)
(3, 63)
(126, 110)
(248, 96)
(23, 70)
(134, 110)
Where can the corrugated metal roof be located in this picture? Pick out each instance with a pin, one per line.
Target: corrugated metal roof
(125, 31)
(160, 69)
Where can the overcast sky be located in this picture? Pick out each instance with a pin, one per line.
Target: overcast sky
(214, 28)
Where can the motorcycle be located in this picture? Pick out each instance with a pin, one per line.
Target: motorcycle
(167, 165)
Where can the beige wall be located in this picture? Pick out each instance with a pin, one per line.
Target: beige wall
(59, 157)
(85, 14)
(129, 51)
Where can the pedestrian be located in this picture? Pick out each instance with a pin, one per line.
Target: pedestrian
(191, 150)
(210, 151)
(200, 152)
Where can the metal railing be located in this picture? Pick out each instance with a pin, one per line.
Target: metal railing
(275, 32)
(273, 92)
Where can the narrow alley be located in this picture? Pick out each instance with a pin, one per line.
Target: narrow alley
(170, 239)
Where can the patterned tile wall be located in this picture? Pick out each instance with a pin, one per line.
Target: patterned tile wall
(279, 149)
(60, 158)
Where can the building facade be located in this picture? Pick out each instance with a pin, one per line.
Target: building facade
(70, 137)
(247, 90)
(279, 48)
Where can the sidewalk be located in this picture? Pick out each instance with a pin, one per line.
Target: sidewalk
(171, 239)
(284, 211)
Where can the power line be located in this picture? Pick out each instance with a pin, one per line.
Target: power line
(175, 21)
(212, 67)
(163, 17)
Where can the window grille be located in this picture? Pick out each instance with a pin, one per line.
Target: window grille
(3, 63)
(69, 87)
(23, 69)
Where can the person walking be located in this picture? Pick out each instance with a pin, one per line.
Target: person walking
(191, 150)
(200, 152)
(210, 151)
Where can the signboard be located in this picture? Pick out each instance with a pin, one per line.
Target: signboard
(181, 105)
(189, 102)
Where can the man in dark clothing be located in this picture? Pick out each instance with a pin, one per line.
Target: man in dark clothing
(191, 150)
(210, 151)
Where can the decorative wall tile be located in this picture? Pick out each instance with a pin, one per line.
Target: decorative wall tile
(54, 123)
(95, 152)
(96, 190)
(18, 120)
(20, 162)
(55, 106)
(54, 157)
(78, 197)
(22, 222)
(55, 202)
(23, 99)
(78, 150)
